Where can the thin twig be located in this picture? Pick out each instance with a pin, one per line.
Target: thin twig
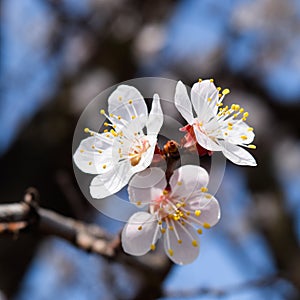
(20, 216)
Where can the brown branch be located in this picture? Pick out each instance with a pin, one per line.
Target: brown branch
(27, 214)
(20, 216)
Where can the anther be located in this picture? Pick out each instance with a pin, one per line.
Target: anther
(194, 243)
(199, 231)
(226, 91)
(197, 213)
(206, 225)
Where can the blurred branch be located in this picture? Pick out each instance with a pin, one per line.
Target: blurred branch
(218, 292)
(27, 214)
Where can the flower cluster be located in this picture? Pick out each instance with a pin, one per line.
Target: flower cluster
(175, 204)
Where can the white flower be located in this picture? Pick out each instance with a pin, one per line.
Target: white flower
(123, 149)
(216, 128)
(175, 213)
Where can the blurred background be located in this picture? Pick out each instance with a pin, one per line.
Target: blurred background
(56, 55)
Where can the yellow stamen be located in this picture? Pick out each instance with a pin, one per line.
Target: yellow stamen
(102, 112)
(194, 243)
(86, 130)
(252, 146)
(206, 225)
(113, 132)
(152, 247)
(140, 227)
(171, 252)
(226, 91)
(179, 241)
(197, 213)
(199, 231)
(204, 189)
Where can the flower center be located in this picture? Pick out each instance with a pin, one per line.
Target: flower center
(167, 208)
(137, 150)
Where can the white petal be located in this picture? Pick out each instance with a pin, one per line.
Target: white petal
(188, 179)
(237, 154)
(208, 206)
(156, 117)
(88, 158)
(119, 104)
(205, 141)
(183, 103)
(186, 252)
(147, 186)
(137, 242)
(111, 182)
(204, 97)
(239, 129)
